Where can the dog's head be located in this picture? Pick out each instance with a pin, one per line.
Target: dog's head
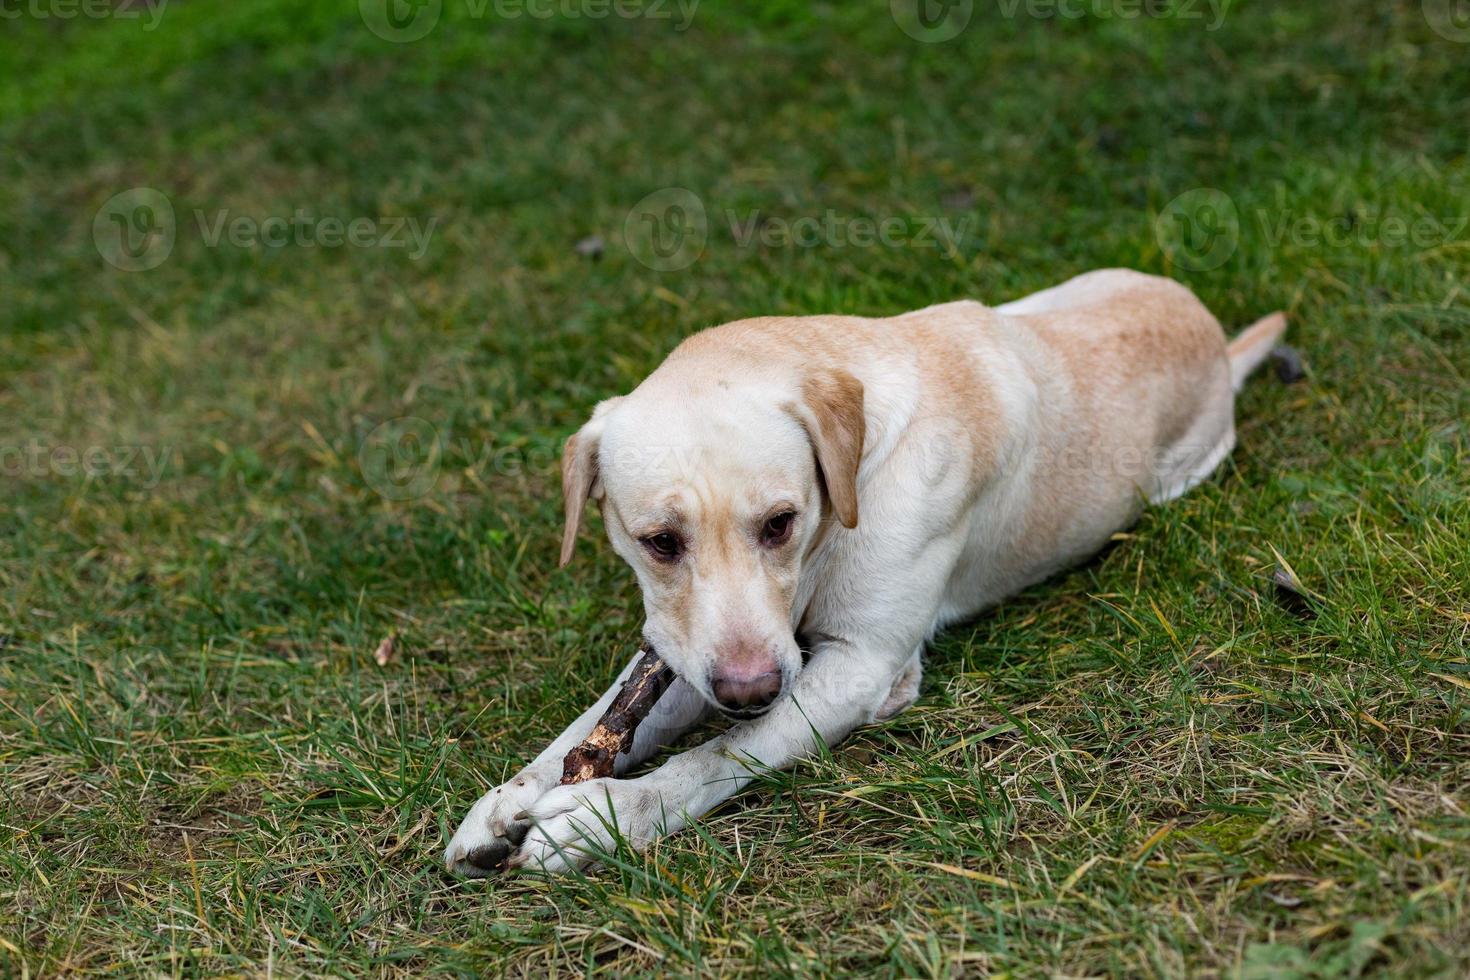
(715, 496)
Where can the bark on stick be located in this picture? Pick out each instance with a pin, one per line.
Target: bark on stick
(613, 735)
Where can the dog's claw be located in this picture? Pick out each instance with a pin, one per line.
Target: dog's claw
(491, 857)
(487, 837)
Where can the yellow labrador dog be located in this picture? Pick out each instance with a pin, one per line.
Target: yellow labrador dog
(859, 483)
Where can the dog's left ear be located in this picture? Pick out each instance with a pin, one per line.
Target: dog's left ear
(581, 476)
(831, 411)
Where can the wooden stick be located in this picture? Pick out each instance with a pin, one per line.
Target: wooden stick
(613, 735)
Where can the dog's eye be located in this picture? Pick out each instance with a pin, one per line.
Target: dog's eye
(665, 545)
(777, 529)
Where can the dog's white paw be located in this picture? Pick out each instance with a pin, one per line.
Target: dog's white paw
(495, 825)
(571, 824)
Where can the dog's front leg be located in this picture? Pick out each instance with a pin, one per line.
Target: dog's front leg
(497, 823)
(840, 688)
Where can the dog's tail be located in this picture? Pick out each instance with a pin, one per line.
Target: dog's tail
(1253, 346)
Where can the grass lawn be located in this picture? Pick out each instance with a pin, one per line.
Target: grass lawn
(236, 456)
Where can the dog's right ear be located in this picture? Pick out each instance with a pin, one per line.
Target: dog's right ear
(580, 475)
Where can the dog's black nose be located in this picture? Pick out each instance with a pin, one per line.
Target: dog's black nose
(743, 694)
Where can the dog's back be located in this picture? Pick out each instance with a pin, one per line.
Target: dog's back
(1129, 396)
(1148, 374)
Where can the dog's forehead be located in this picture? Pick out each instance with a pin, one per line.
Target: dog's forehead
(655, 448)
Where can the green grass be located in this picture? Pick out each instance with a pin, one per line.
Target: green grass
(1147, 767)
